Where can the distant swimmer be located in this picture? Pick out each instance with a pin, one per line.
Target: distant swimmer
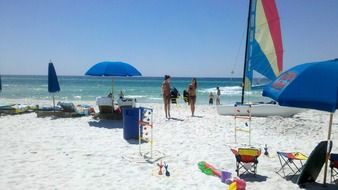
(211, 98)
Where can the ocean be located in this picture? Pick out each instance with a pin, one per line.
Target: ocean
(144, 89)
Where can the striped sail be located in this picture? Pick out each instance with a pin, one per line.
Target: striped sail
(265, 48)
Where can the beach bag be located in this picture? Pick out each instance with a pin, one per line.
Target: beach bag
(67, 107)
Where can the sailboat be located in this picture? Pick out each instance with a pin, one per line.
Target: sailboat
(263, 54)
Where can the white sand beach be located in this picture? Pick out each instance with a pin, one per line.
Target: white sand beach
(83, 153)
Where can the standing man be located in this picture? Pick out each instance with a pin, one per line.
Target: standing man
(166, 95)
(218, 95)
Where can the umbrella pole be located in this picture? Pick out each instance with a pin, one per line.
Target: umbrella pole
(328, 147)
(53, 104)
(112, 94)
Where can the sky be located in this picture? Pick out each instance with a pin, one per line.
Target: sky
(199, 38)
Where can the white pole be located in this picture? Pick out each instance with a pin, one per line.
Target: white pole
(139, 132)
(328, 147)
(112, 94)
(152, 138)
(250, 125)
(53, 103)
(235, 127)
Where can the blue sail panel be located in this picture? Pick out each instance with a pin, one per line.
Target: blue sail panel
(260, 62)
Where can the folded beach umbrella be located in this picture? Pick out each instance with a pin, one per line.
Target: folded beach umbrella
(53, 83)
(310, 85)
(108, 68)
(0, 84)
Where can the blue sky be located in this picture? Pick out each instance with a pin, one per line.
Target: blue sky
(202, 38)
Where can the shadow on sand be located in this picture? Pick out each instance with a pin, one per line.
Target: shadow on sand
(133, 141)
(310, 186)
(176, 119)
(253, 178)
(319, 186)
(291, 178)
(108, 124)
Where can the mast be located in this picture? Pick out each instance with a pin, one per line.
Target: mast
(246, 51)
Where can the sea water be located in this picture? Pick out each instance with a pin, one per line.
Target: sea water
(144, 89)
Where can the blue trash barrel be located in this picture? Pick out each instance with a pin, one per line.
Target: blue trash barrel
(131, 118)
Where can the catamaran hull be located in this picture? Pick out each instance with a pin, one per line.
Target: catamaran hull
(258, 110)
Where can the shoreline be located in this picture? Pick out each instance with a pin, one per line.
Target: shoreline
(30, 101)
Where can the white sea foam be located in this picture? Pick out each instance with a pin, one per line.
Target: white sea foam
(135, 96)
(77, 97)
(155, 98)
(39, 89)
(225, 90)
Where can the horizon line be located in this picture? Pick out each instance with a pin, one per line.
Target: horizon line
(235, 77)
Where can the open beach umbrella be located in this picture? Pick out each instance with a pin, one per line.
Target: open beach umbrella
(310, 85)
(108, 68)
(53, 83)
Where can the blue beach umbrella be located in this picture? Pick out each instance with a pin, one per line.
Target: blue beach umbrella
(53, 83)
(310, 85)
(108, 68)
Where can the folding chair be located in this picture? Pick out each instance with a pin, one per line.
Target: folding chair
(334, 168)
(247, 159)
(290, 159)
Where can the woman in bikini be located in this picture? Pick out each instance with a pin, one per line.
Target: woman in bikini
(192, 95)
(166, 95)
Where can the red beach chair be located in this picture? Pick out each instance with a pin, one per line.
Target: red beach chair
(247, 159)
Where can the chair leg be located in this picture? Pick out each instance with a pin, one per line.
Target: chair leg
(237, 168)
(282, 165)
(251, 170)
(292, 166)
(334, 175)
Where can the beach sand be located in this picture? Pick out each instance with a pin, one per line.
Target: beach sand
(82, 153)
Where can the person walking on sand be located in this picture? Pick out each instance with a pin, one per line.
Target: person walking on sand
(218, 95)
(166, 95)
(192, 95)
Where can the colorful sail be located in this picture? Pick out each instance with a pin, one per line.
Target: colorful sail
(265, 48)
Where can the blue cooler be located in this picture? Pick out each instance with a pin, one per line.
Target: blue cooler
(131, 118)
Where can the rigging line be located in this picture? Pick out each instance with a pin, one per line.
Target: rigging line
(238, 51)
